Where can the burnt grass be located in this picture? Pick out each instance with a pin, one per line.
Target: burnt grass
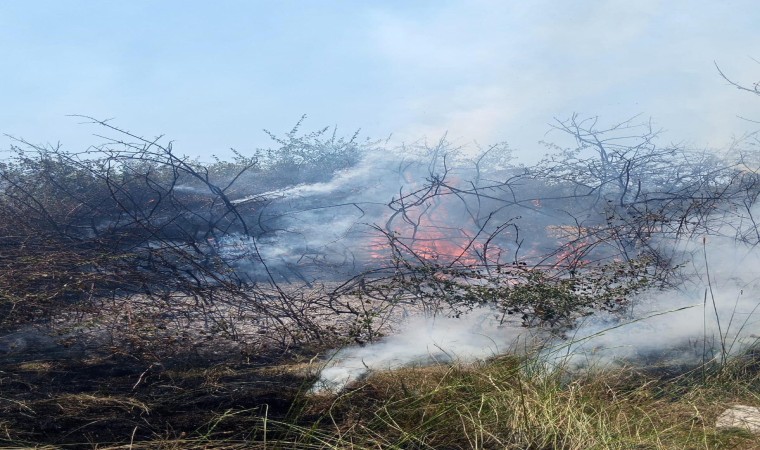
(73, 398)
(117, 399)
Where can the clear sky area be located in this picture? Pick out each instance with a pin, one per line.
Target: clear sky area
(211, 75)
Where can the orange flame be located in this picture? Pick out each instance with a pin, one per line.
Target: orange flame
(432, 239)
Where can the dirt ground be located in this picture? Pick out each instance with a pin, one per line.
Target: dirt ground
(129, 370)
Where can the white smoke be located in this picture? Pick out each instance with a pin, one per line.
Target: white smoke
(705, 317)
(328, 224)
(713, 315)
(424, 341)
(374, 168)
(708, 317)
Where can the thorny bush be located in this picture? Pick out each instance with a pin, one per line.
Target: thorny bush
(581, 230)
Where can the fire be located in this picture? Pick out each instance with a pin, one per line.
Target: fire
(432, 238)
(574, 242)
(441, 231)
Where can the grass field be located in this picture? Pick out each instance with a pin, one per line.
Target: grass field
(119, 402)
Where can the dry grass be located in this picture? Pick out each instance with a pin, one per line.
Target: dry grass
(497, 404)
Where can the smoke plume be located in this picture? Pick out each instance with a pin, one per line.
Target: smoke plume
(712, 315)
(706, 318)
(478, 335)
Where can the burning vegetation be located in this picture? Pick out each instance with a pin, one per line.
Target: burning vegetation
(131, 257)
(430, 227)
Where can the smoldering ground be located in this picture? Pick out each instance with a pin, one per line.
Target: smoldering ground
(425, 340)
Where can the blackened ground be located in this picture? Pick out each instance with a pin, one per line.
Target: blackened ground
(117, 399)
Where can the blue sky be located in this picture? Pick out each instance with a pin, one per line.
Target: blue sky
(212, 75)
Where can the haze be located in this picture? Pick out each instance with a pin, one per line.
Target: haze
(212, 75)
